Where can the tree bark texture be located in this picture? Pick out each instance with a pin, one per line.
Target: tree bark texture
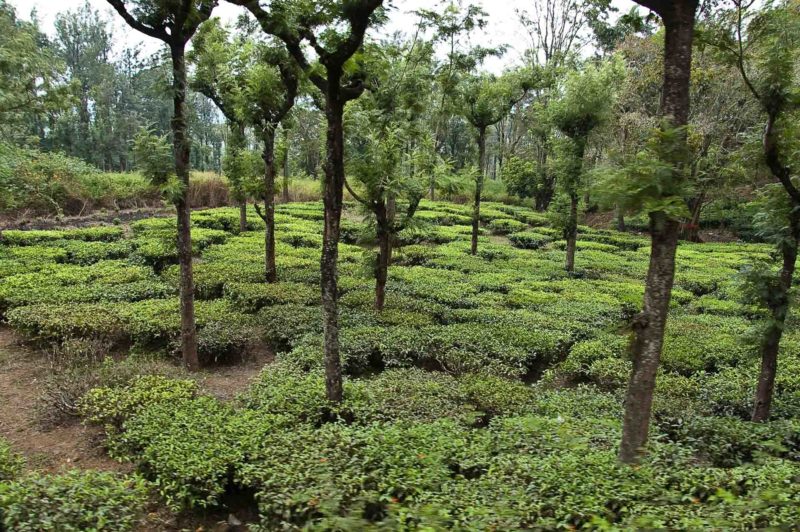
(772, 336)
(286, 165)
(384, 254)
(332, 199)
(270, 271)
(182, 149)
(649, 325)
(572, 231)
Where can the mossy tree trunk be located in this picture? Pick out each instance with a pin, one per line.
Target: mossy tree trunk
(384, 235)
(285, 164)
(779, 309)
(571, 231)
(780, 302)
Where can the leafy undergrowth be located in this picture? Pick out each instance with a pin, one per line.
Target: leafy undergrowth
(441, 426)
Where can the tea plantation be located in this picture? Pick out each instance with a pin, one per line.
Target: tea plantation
(486, 396)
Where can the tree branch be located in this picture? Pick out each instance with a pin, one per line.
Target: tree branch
(773, 159)
(357, 197)
(260, 213)
(157, 32)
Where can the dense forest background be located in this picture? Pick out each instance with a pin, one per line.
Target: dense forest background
(74, 93)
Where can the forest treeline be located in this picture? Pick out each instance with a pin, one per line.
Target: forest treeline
(653, 113)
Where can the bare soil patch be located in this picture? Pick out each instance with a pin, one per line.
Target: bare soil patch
(46, 449)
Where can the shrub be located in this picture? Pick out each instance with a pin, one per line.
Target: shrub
(89, 234)
(285, 325)
(251, 297)
(112, 406)
(10, 463)
(186, 445)
(505, 226)
(74, 501)
(704, 343)
(79, 366)
(529, 240)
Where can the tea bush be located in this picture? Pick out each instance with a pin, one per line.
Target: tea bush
(10, 462)
(439, 427)
(529, 240)
(88, 234)
(74, 501)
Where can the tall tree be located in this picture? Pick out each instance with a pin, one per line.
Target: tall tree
(390, 152)
(254, 84)
(269, 94)
(451, 30)
(83, 40)
(559, 28)
(32, 79)
(484, 101)
(218, 76)
(649, 325)
(174, 23)
(584, 105)
(763, 46)
(335, 30)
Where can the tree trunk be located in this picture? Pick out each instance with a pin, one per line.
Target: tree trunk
(270, 271)
(620, 221)
(572, 231)
(691, 232)
(649, 325)
(384, 255)
(286, 165)
(332, 198)
(772, 336)
(182, 152)
(544, 193)
(476, 208)
(243, 216)
(241, 144)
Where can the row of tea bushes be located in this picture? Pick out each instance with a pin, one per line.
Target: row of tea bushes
(411, 449)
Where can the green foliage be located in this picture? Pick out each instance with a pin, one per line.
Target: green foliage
(112, 406)
(44, 182)
(10, 463)
(521, 177)
(529, 240)
(441, 373)
(89, 234)
(155, 157)
(653, 181)
(73, 501)
(504, 227)
(33, 83)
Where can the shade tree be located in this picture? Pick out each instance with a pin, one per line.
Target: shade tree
(33, 83)
(483, 101)
(659, 200)
(584, 105)
(763, 46)
(270, 90)
(174, 23)
(391, 155)
(334, 30)
(254, 83)
(218, 75)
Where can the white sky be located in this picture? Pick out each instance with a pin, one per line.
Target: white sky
(504, 27)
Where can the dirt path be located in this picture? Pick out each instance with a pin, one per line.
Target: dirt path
(72, 445)
(22, 371)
